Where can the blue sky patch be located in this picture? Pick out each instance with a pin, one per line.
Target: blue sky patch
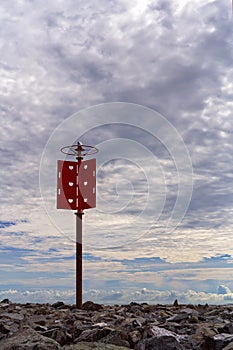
(4, 224)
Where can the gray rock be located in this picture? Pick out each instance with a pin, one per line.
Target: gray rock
(152, 331)
(204, 336)
(38, 319)
(117, 337)
(95, 346)
(58, 304)
(139, 322)
(84, 318)
(229, 346)
(12, 316)
(221, 340)
(58, 334)
(159, 343)
(189, 311)
(135, 336)
(28, 339)
(99, 325)
(216, 342)
(4, 328)
(90, 306)
(40, 328)
(227, 328)
(93, 335)
(178, 317)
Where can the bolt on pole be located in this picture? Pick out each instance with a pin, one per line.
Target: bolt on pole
(76, 190)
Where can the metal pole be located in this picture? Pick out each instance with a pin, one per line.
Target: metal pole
(79, 247)
(79, 260)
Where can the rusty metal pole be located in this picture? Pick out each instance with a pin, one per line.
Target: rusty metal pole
(79, 252)
(79, 260)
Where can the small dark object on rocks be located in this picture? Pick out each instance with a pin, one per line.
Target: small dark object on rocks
(58, 304)
(5, 301)
(90, 306)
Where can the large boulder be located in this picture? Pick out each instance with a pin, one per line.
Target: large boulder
(216, 342)
(160, 339)
(159, 343)
(28, 339)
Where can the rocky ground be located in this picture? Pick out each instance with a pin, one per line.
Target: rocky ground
(136, 326)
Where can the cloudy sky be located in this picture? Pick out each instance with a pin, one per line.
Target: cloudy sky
(150, 84)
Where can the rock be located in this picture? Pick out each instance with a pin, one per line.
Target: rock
(221, 340)
(203, 332)
(28, 339)
(83, 318)
(135, 336)
(61, 336)
(217, 341)
(164, 314)
(41, 311)
(159, 343)
(58, 304)
(158, 332)
(178, 317)
(99, 325)
(4, 328)
(40, 328)
(5, 301)
(90, 306)
(175, 303)
(193, 319)
(158, 339)
(41, 323)
(95, 346)
(189, 311)
(12, 316)
(93, 334)
(139, 322)
(227, 328)
(229, 346)
(117, 337)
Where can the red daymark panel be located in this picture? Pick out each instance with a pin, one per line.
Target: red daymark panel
(87, 184)
(66, 185)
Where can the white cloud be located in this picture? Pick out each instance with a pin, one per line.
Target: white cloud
(117, 296)
(223, 290)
